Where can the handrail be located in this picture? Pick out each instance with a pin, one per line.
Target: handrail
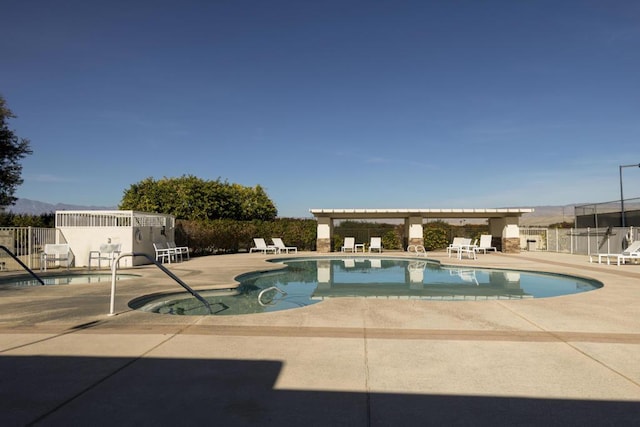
(268, 289)
(114, 270)
(12, 255)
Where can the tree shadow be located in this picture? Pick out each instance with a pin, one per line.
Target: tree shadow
(153, 391)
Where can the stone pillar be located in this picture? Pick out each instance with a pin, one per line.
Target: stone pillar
(325, 233)
(505, 234)
(414, 226)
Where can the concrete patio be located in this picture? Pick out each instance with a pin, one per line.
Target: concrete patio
(571, 360)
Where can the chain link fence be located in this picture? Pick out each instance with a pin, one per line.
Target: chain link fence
(581, 241)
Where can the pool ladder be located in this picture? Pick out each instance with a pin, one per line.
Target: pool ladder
(114, 270)
(16, 259)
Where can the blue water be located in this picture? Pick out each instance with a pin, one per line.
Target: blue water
(67, 279)
(308, 281)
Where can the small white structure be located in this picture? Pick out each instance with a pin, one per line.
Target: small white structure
(85, 231)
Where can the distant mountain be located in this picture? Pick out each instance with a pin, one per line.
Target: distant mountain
(546, 215)
(34, 207)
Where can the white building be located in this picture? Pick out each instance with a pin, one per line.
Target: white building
(136, 232)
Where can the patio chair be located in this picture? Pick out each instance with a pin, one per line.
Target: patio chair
(179, 250)
(261, 246)
(55, 253)
(164, 253)
(457, 244)
(485, 244)
(279, 244)
(375, 244)
(349, 244)
(107, 252)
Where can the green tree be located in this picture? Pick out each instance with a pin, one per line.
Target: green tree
(192, 198)
(12, 150)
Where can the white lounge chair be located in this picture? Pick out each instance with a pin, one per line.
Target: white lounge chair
(261, 246)
(457, 244)
(349, 244)
(280, 246)
(375, 244)
(107, 252)
(632, 253)
(485, 244)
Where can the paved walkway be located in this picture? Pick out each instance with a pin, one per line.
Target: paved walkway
(572, 360)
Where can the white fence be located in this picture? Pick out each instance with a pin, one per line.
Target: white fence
(26, 243)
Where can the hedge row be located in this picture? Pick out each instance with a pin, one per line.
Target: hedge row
(228, 236)
(207, 237)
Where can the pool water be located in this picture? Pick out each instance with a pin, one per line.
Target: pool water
(308, 281)
(67, 279)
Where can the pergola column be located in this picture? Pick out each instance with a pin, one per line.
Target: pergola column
(413, 225)
(325, 232)
(509, 234)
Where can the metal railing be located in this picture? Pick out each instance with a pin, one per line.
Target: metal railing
(17, 260)
(114, 270)
(26, 243)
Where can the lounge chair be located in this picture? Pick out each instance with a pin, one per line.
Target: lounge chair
(632, 252)
(485, 244)
(375, 244)
(280, 246)
(261, 246)
(349, 244)
(457, 246)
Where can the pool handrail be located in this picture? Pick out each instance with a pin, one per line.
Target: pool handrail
(12, 255)
(114, 270)
(272, 288)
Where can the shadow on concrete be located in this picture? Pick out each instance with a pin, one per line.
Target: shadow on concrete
(124, 391)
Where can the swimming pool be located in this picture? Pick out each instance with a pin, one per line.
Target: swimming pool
(63, 279)
(308, 281)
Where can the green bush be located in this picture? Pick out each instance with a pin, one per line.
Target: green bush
(206, 237)
(436, 235)
(391, 240)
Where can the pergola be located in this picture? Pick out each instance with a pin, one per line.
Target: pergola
(503, 222)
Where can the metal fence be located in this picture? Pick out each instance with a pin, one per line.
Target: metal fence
(581, 241)
(608, 214)
(26, 243)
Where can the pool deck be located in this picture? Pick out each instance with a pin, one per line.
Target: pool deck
(571, 360)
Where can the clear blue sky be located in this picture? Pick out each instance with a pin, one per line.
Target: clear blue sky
(328, 104)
